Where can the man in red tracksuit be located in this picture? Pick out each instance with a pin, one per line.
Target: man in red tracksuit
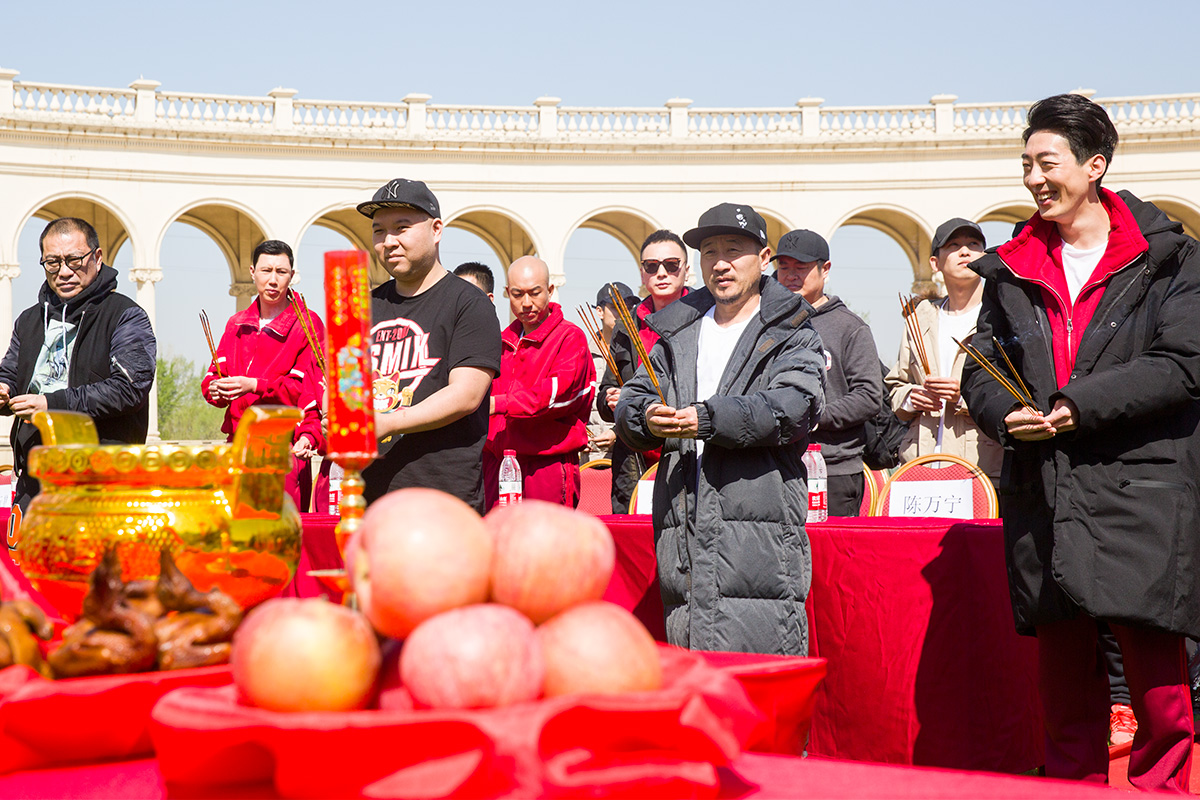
(543, 395)
(265, 358)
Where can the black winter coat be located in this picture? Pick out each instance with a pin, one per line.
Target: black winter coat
(1104, 518)
(733, 557)
(109, 375)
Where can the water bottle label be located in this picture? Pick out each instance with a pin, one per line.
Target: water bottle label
(335, 497)
(510, 492)
(818, 495)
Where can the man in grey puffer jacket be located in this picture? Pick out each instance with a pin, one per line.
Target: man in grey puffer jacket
(853, 384)
(742, 375)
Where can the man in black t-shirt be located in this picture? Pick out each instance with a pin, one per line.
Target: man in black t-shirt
(435, 349)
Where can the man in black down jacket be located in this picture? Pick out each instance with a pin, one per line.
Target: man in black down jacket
(1096, 302)
(743, 376)
(83, 347)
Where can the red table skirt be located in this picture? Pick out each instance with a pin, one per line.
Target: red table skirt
(753, 775)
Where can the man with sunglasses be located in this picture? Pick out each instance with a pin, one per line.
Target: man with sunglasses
(853, 379)
(83, 347)
(664, 271)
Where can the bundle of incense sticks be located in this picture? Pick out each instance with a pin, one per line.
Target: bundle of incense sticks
(909, 309)
(593, 329)
(631, 327)
(212, 348)
(1023, 396)
(300, 308)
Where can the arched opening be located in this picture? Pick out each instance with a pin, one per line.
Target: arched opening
(508, 237)
(459, 245)
(1182, 212)
(997, 223)
(870, 268)
(604, 247)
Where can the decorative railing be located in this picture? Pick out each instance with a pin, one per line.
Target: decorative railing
(143, 106)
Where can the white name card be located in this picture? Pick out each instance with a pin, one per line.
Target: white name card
(645, 497)
(931, 499)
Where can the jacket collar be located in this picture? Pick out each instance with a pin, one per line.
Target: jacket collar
(513, 333)
(280, 326)
(776, 304)
(1035, 254)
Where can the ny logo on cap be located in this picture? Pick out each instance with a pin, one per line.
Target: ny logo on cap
(393, 187)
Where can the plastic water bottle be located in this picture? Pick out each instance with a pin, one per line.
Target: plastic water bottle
(818, 484)
(336, 473)
(511, 485)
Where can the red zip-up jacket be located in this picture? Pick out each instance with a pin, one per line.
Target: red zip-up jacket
(544, 391)
(1035, 255)
(278, 355)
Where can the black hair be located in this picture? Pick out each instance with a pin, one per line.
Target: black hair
(1085, 125)
(273, 247)
(69, 225)
(664, 235)
(480, 272)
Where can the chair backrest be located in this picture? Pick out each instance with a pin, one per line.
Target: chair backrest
(595, 487)
(969, 493)
(873, 482)
(645, 482)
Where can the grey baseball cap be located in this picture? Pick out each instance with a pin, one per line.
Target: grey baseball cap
(803, 245)
(947, 229)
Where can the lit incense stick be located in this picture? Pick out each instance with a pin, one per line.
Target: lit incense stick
(589, 324)
(212, 348)
(631, 328)
(990, 368)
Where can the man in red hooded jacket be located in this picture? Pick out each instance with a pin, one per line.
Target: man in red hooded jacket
(1095, 302)
(543, 395)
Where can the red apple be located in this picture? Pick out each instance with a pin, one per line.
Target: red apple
(598, 648)
(480, 656)
(305, 655)
(548, 557)
(418, 553)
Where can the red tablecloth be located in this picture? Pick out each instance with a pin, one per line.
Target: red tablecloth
(914, 617)
(754, 775)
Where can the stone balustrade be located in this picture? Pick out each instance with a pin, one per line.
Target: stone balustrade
(144, 105)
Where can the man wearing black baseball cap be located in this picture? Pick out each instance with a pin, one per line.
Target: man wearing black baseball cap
(435, 349)
(741, 372)
(932, 404)
(853, 377)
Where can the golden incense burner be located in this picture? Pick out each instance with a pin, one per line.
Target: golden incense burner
(220, 509)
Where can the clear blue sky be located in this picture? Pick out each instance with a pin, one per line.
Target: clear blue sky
(616, 53)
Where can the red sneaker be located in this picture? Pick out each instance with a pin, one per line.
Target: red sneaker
(1122, 725)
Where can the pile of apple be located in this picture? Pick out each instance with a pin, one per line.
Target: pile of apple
(491, 611)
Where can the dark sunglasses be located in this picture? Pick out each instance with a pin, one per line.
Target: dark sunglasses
(671, 265)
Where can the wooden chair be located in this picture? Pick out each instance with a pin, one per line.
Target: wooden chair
(595, 487)
(647, 479)
(942, 467)
(873, 483)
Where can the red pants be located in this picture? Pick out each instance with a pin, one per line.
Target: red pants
(554, 479)
(1074, 688)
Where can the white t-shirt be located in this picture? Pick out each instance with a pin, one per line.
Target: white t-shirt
(1078, 266)
(951, 327)
(715, 347)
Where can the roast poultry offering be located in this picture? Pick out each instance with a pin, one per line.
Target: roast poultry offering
(140, 625)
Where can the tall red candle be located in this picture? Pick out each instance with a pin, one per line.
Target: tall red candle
(351, 422)
(351, 412)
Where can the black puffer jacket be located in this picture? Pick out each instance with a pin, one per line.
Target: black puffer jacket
(109, 375)
(1105, 518)
(733, 558)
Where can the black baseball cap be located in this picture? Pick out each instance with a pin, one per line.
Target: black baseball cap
(803, 245)
(947, 229)
(737, 219)
(603, 298)
(401, 192)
